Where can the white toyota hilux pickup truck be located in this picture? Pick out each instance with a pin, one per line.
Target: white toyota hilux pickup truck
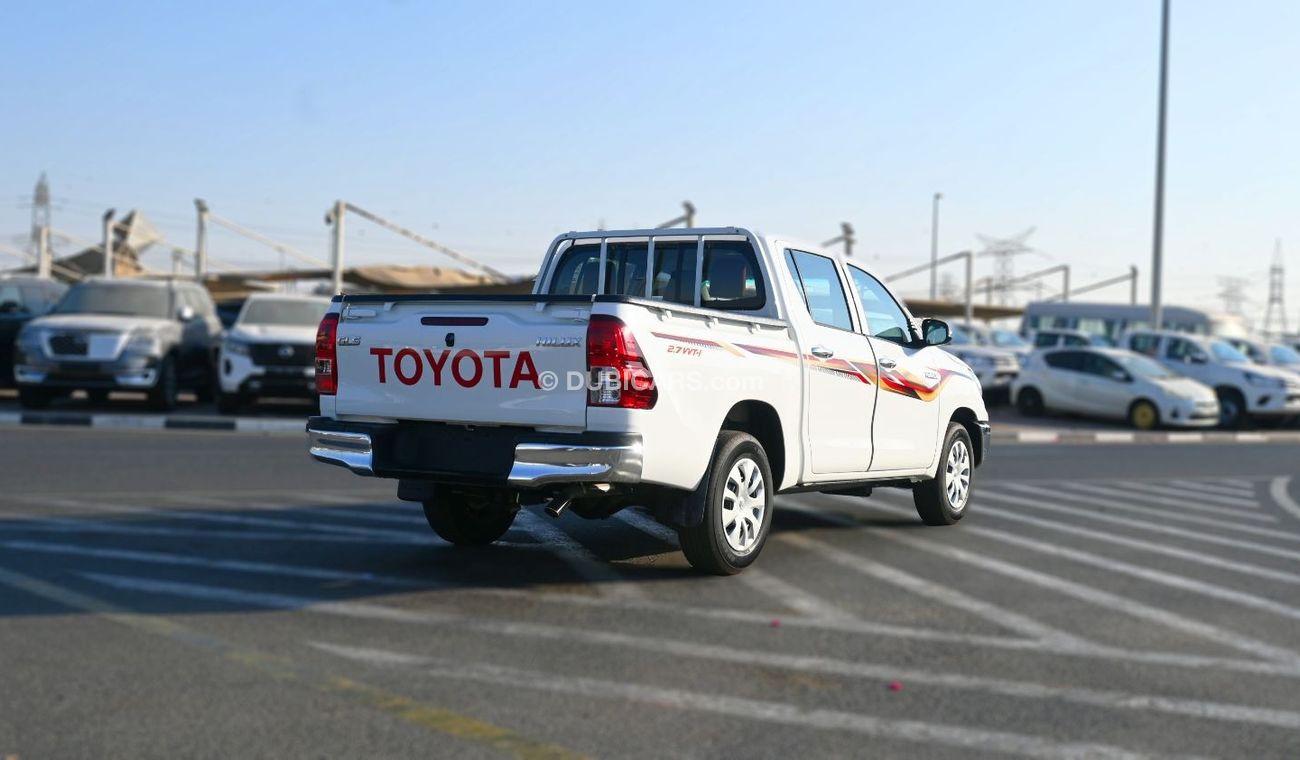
(695, 373)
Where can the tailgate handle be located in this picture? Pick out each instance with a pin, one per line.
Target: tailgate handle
(454, 321)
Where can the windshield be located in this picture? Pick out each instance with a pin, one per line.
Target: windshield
(1007, 339)
(283, 312)
(1141, 366)
(1224, 352)
(1284, 355)
(124, 299)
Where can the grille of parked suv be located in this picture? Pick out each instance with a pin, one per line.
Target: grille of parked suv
(283, 354)
(70, 344)
(1005, 362)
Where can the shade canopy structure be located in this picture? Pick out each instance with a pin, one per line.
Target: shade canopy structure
(924, 307)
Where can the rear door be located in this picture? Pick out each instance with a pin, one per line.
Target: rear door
(907, 410)
(508, 362)
(1064, 372)
(1104, 386)
(838, 367)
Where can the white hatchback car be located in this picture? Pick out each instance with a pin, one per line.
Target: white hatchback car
(1114, 384)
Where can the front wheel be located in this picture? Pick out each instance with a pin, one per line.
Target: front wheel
(737, 508)
(1029, 402)
(942, 500)
(163, 396)
(34, 398)
(1232, 408)
(471, 517)
(1143, 415)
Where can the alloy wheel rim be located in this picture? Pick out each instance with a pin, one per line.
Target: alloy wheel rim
(1144, 417)
(744, 504)
(956, 475)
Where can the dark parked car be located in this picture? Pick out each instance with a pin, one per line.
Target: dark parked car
(156, 336)
(22, 299)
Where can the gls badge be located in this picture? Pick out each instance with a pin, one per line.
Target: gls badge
(350, 340)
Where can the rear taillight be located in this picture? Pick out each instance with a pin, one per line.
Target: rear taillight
(618, 373)
(327, 376)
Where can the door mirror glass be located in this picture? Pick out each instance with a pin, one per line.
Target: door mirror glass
(185, 314)
(936, 332)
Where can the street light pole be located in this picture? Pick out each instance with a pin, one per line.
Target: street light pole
(43, 255)
(1157, 247)
(335, 217)
(934, 246)
(201, 244)
(108, 245)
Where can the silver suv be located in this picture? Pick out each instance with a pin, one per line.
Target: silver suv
(156, 336)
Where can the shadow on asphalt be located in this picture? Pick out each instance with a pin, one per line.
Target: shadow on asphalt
(295, 556)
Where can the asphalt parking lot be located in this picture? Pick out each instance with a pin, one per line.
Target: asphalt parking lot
(171, 594)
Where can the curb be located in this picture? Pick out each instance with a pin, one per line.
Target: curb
(1121, 436)
(154, 422)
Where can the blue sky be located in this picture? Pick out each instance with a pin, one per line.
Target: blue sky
(493, 126)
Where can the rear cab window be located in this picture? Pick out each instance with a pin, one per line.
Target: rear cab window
(727, 275)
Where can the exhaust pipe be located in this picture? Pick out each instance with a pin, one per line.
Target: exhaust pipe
(560, 501)
(555, 507)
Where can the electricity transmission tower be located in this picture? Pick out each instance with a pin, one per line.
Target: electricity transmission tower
(1003, 251)
(1276, 309)
(40, 212)
(1232, 291)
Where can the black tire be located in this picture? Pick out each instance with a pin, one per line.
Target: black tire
(207, 392)
(1232, 408)
(1143, 415)
(97, 396)
(724, 543)
(34, 398)
(1029, 402)
(231, 403)
(163, 396)
(471, 517)
(933, 499)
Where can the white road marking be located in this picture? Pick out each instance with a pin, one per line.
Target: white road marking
(1109, 699)
(747, 709)
(1244, 490)
(1161, 515)
(999, 616)
(1236, 482)
(1181, 504)
(1105, 599)
(1188, 494)
(647, 525)
(1169, 530)
(121, 528)
(607, 579)
(1278, 490)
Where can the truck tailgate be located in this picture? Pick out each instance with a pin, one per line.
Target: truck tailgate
(474, 361)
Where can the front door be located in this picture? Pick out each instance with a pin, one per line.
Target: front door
(909, 380)
(837, 364)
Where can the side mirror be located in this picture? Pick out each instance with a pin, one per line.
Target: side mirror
(935, 332)
(185, 314)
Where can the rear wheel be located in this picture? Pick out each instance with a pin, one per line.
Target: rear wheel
(737, 508)
(231, 403)
(97, 395)
(1029, 402)
(1232, 408)
(34, 398)
(471, 517)
(942, 500)
(1143, 415)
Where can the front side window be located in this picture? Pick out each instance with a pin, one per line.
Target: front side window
(1067, 360)
(1224, 352)
(1101, 366)
(1182, 350)
(823, 293)
(1075, 340)
(885, 319)
(1144, 344)
(1044, 340)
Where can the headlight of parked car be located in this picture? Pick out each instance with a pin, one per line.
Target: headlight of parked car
(1265, 382)
(235, 347)
(144, 342)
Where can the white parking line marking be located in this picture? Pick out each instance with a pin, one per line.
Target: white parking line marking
(1245, 490)
(1182, 505)
(1117, 700)
(1105, 599)
(747, 709)
(1196, 557)
(647, 525)
(1000, 616)
(607, 579)
(1193, 495)
(122, 528)
(1278, 490)
(1168, 530)
(1156, 516)
(1236, 482)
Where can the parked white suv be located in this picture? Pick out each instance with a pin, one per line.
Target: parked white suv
(270, 350)
(693, 372)
(1277, 355)
(995, 367)
(1112, 384)
(1065, 337)
(1244, 389)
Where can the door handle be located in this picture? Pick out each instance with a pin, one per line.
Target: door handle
(822, 352)
(887, 363)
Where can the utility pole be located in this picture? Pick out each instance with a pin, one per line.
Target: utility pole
(335, 217)
(1157, 245)
(1276, 309)
(845, 237)
(40, 211)
(109, 267)
(934, 246)
(201, 243)
(1133, 286)
(43, 255)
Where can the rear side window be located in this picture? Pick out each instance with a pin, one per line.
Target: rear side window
(822, 290)
(731, 280)
(1070, 360)
(1075, 340)
(674, 273)
(1044, 340)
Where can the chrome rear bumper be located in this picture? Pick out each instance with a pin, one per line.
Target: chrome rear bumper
(354, 451)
